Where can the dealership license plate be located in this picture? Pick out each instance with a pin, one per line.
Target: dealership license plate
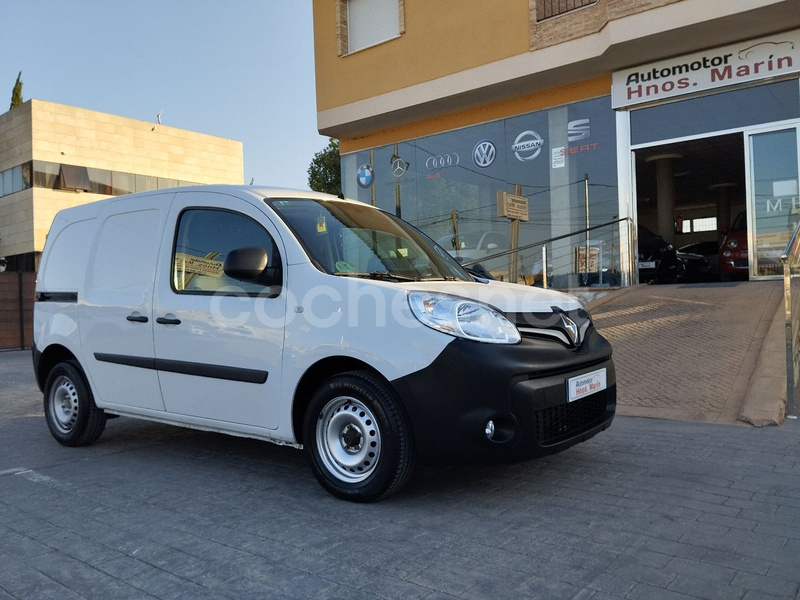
(586, 385)
(647, 264)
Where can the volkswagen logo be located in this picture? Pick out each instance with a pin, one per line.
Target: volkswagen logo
(484, 153)
(399, 166)
(527, 146)
(365, 176)
(442, 161)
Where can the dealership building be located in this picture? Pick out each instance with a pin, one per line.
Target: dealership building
(54, 156)
(674, 116)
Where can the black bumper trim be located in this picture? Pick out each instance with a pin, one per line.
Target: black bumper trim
(522, 388)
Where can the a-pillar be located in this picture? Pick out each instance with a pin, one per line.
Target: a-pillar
(665, 194)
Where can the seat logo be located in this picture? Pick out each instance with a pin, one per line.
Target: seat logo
(527, 146)
(484, 153)
(579, 129)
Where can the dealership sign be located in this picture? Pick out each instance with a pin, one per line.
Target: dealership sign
(752, 60)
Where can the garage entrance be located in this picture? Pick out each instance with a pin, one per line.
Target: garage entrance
(719, 169)
(690, 193)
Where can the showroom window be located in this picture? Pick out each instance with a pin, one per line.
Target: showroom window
(365, 23)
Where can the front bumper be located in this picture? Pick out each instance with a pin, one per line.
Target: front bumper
(522, 389)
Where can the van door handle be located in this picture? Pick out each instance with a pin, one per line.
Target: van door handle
(166, 321)
(137, 318)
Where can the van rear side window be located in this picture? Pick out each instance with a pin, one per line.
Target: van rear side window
(204, 239)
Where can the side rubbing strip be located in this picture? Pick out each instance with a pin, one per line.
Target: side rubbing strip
(186, 368)
(57, 297)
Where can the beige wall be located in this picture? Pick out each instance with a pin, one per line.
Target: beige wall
(15, 137)
(45, 131)
(67, 134)
(456, 57)
(16, 223)
(477, 32)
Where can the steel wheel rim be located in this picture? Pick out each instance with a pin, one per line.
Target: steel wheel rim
(348, 439)
(64, 404)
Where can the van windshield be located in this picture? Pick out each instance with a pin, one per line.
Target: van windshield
(350, 239)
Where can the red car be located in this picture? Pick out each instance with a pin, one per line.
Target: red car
(733, 259)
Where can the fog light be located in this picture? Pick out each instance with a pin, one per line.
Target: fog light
(489, 430)
(726, 253)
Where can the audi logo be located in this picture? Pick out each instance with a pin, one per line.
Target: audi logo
(442, 161)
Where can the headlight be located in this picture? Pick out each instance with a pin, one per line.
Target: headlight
(464, 318)
(732, 243)
(726, 253)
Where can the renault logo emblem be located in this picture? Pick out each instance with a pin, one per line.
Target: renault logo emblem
(571, 328)
(484, 153)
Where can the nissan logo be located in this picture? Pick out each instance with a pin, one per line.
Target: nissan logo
(484, 153)
(527, 146)
(442, 161)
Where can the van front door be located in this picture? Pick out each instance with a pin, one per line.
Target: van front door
(218, 341)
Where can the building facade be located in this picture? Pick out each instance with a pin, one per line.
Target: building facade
(615, 116)
(54, 156)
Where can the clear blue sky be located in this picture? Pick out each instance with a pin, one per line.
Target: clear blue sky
(240, 69)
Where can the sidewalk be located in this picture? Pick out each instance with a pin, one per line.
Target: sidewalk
(709, 353)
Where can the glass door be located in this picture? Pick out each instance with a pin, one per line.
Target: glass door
(773, 205)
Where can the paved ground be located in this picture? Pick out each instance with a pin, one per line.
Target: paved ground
(648, 509)
(688, 351)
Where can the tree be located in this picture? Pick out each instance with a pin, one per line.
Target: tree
(16, 94)
(325, 171)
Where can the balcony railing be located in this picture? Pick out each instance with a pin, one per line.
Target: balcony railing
(552, 8)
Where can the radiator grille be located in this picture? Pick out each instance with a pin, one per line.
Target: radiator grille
(551, 425)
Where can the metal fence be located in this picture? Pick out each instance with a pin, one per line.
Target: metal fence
(791, 301)
(599, 256)
(16, 309)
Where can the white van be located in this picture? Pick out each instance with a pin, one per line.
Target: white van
(306, 320)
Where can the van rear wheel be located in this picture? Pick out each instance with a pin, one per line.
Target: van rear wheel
(72, 416)
(356, 438)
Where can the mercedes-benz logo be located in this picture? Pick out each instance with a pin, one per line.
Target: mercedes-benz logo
(527, 146)
(484, 153)
(399, 166)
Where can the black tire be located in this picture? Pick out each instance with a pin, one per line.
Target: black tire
(72, 416)
(357, 439)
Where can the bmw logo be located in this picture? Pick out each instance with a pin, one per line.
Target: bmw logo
(365, 175)
(484, 153)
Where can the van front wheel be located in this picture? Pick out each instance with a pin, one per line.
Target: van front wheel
(69, 408)
(357, 439)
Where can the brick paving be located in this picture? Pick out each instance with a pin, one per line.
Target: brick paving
(687, 351)
(650, 509)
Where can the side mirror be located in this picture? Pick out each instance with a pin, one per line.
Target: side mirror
(246, 264)
(491, 246)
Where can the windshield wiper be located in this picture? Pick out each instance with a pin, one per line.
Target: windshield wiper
(379, 275)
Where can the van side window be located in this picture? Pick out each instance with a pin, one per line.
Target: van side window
(203, 240)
